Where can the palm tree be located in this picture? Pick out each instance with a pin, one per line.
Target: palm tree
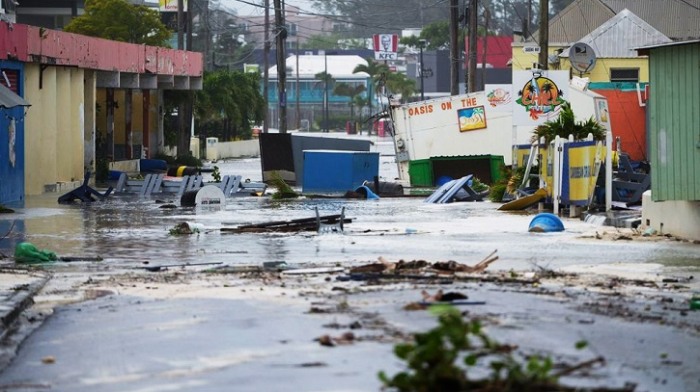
(566, 125)
(327, 79)
(375, 71)
(360, 102)
(345, 90)
(400, 84)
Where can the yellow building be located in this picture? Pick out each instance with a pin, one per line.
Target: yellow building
(612, 28)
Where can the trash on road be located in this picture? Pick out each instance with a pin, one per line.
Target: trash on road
(545, 223)
(421, 265)
(186, 228)
(27, 253)
(294, 225)
(156, 268)
(440, 297)
(329, 341)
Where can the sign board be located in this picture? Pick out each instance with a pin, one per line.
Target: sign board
(582, 57)
(531, 49)
(500, 97)
(254, 68)
(386, 46)
(170, 5)
(538, 96)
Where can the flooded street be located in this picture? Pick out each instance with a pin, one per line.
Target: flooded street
(111, 325)
(127, 230)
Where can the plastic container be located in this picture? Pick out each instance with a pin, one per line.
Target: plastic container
(695, 302)
(545, 223)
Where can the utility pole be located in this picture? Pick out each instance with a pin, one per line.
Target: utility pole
(421, 70)
(544, 34)
(281, 35)
(487, 16)
(454, 47)
(207, 47)
(298, 116)
(473, 7)
(180, 25)
(528, 21)
(266, 65)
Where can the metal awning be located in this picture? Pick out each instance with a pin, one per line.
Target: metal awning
(9, 100)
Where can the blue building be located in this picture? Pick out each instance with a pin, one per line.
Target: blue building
(301, 78)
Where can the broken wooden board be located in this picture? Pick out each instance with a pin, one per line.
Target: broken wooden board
(524, 202)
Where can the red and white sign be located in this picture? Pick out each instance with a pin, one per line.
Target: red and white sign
(386, 46)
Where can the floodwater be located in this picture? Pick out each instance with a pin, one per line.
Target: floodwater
(128, 231)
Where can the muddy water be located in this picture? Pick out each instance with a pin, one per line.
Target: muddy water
(130, 231)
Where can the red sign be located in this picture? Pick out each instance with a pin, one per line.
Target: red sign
(386, 46)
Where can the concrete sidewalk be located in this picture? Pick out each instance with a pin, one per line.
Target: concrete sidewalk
(18, 286)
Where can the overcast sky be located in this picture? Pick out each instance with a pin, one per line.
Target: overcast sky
(244, 9)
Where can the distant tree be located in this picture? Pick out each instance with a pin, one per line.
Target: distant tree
(322, 41)
(398, 83)
(229, 103)
(119, 20)
(346, 90)
(375, 71)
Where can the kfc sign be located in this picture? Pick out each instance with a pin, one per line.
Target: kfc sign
(386, 46)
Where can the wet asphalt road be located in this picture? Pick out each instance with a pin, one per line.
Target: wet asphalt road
(144, 342)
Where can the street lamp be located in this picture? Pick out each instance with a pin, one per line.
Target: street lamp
(421, 43)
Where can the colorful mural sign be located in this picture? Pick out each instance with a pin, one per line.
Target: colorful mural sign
(540, 95)
(602, 112)
(471, 119)
(500, 97)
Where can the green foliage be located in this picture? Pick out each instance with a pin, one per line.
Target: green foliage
(478, 186)
(284, 191)
(216, 174)
(119, 20)
(375, 70)
(230, 100)
(441, 359)
(566, 125)
(188, 160)
(497, 192)
(180, 160)
(322, 41)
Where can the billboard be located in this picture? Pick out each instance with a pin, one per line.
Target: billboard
(170, 5)
(538, 96)
(386, 46)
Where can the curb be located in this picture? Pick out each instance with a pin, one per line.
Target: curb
(19, 301)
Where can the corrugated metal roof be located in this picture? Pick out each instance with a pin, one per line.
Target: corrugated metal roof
(618, 37)
(577, 20)
(676, 19)
(644, 50)
(340, 67)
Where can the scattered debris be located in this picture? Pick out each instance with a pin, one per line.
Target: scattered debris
(294, 225)
(156, 268)
(344, 339)
(186, 228)
(27, 253)
(438, 267)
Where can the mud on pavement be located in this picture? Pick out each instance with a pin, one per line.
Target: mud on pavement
(643, 329)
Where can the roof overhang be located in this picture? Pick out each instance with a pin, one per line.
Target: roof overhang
(644, 50)
(9, 100)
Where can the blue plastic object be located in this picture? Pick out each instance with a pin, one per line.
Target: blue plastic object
(364, 189)
(545, 223)
(442, 180)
